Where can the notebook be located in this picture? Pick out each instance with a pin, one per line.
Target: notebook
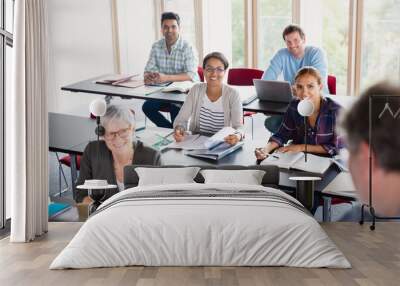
(295, 160)
(217, 152)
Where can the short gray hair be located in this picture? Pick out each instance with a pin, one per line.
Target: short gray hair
(385, 141)
(118, 112)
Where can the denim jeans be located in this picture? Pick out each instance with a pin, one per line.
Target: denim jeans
(152, 108)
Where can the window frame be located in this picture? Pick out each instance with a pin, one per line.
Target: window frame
(6, 39)
(354, 47)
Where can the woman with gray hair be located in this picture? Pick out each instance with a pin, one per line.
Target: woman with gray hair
(106, 159)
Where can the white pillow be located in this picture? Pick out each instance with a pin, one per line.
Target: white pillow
(166, 176)
(248, 177)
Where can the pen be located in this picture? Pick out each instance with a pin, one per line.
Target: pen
(164, 138)
(273, 156)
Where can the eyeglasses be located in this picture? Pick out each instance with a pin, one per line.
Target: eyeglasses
(123, 133)
(217, 70)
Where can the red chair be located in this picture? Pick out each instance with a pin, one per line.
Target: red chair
(201, 73)
(66, 160)
(332, 84)
(244, 76)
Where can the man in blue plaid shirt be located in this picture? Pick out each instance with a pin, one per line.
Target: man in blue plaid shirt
(171, 59)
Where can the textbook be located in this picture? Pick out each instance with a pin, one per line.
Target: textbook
(295, 160)
(181, 86)
(131, 81)
(216, 153)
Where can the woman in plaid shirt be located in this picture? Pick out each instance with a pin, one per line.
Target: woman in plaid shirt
(322, 138)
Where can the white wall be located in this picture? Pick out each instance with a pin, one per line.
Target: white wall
(217, 34)
(80, 47)
(136, 33)
(311, 23)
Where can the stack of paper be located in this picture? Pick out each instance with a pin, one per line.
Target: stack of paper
(200, 142)
(181, 86)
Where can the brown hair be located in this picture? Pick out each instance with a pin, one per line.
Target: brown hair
(291, 29)
(309, 70)
(385, 124)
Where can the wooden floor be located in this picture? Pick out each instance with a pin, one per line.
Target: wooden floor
(374, 255)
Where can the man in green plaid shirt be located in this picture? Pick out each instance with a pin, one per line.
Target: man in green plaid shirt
(171, 59)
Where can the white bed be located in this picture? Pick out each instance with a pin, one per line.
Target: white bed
(201, 224)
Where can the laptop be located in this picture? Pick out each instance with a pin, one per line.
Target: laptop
(273, 90)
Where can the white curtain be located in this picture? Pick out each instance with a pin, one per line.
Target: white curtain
(27, 123)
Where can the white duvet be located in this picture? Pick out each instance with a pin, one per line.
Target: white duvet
(207, 230)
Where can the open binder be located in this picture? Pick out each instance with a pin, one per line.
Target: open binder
(295, 160)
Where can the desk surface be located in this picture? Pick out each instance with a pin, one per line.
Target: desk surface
(67, 131)
(71, 134)
(271, 108)
(89, 86)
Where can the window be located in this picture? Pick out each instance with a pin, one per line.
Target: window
(9, 15)
(273, 17)
(238, 33)
(185, 10)
(335, 39)
(380, 42)
(6, 41)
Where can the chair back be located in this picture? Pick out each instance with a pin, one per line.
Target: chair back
(332, 84)
(243, 76)
(201, 74)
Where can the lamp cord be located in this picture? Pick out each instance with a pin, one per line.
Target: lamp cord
(305, 138)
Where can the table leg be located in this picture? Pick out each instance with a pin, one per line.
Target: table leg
(326, 211)
(305, 193)
(74, 175)
(108, 98)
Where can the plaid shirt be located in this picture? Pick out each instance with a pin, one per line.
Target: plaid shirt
(182, 59)
(323, 133)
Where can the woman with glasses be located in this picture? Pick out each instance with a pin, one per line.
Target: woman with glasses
(106, 159)
(212, 105)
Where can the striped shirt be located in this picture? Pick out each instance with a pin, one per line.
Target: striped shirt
(182, 59)
(323, 133)
(211, 116)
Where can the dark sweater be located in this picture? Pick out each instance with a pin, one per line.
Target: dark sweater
(97, 163)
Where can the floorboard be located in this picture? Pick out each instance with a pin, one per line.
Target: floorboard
(374, 255)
